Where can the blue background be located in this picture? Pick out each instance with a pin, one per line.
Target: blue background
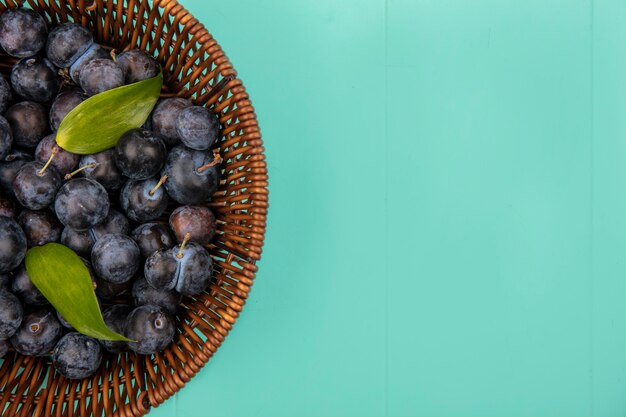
(447, 234)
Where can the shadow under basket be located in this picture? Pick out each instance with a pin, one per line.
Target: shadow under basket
(195, 67)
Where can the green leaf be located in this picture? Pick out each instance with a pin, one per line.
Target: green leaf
(97, 123)
(64, 280)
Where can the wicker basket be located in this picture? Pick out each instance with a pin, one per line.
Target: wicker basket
(195, 67)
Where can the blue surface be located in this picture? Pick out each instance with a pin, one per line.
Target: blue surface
(447, 232)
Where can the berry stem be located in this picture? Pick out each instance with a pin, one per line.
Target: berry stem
(180, 255)
(160, 183)
(71, 174)
(216, 160)
(54, 152)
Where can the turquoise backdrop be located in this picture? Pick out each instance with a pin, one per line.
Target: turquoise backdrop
(447, 234)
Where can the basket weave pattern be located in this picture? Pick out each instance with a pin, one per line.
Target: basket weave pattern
(194, 67)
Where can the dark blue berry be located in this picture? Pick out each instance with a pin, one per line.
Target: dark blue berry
(114, 223)
(102, 168)
(66, 43)
(29, 123)
(145, 294)
(63, 160)
(22, 32)
(77, 356)
(164, 118)
(137, 65)
(9, 167)
(11, 314)
(188, 182)
(93, 52)
(5, 94)
(140, 154)
(151, 328)
(6, 138)
(115, 318)
(112, 291)
(13, 241)
(80, 242)
(5, 282)
(195, 269)
(7, 208)
(197, 127)
(4, 347)
(24, 288)
(143, 200)
(187, 271)
(64, 103)
(151, 237)
(100, 75)
(39, 332)
(35, 79)
(40, 227)
(81, 204)
(35, 187)
(115, 258)
(64, 322)
(161, 269)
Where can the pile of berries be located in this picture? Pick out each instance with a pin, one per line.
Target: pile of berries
(107, 206)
